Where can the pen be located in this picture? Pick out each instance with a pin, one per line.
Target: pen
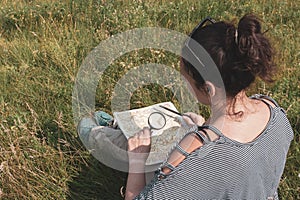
(173, 111)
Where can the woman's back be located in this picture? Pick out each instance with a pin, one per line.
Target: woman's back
(227, 169)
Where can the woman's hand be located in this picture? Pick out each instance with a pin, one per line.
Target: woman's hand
(139, 146)
(192, 119)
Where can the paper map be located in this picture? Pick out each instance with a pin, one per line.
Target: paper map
(132, 121)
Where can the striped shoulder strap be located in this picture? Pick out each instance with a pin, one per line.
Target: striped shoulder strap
(262, 97)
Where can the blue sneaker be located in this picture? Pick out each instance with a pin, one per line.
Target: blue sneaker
(103, 119)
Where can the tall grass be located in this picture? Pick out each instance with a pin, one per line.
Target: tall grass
(42, 45)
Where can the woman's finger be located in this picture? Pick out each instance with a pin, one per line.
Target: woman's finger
(192, 118)
(145, 133)
(141, 138)
(188, 120)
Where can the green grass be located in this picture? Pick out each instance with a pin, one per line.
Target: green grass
(42, 45)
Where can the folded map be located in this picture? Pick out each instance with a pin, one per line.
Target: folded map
(132, 121)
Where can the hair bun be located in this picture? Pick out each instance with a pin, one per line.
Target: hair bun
(249, 25)
(254, 48)
(249, 30)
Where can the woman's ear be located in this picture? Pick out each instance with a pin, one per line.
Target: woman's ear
(211, 89)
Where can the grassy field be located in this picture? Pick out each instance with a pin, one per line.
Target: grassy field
(42, 45)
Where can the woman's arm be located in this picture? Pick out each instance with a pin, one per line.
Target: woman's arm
(138, 152)
(136, 180)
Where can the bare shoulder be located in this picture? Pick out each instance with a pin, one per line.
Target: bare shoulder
(271, 103)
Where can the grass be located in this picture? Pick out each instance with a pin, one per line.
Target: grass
(42, 45)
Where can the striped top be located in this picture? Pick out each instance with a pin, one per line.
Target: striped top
(227, 169)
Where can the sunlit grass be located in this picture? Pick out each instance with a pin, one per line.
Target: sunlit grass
(42, 45)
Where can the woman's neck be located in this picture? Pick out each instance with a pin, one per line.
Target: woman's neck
(233, 108)
(238, 105)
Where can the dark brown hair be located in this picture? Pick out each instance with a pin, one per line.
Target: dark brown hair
(240, 54)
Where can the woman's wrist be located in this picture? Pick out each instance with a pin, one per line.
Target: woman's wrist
(137, 158)
(136, 166)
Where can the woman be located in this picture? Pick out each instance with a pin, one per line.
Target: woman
(240, 151)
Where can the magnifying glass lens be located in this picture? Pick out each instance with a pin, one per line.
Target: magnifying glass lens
(157, 121)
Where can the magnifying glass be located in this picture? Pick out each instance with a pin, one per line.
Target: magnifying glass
(156, 121)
